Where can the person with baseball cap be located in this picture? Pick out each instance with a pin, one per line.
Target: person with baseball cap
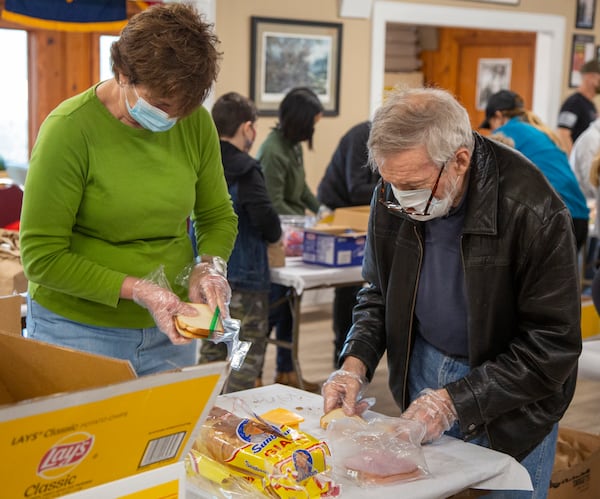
(506, 114)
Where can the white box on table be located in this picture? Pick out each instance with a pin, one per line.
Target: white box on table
(333, 246)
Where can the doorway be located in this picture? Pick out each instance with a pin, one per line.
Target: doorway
(549, 47)
(474, 64)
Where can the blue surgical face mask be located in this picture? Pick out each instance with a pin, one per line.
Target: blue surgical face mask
(149, 116)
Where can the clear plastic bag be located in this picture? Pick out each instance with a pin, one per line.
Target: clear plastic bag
(236, 349)
(276, 459)
(293, 233)
(217, 479)
(378, 450)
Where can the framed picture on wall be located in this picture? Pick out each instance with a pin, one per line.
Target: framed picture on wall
(582, 50)
(493, 75)
(287, 53)
(586, 12)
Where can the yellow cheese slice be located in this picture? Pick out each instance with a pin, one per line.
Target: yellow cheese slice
(281, 416)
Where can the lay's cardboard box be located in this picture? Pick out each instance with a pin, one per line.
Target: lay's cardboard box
(70, 420)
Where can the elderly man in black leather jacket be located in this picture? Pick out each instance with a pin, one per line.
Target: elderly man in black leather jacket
(473, 291)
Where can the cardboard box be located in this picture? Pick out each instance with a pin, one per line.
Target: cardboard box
(354, 217)
(70, 420)
(333, 246)
(10, 314)
(168, 482)
(12, 278)
(590, 322)
(576, 473)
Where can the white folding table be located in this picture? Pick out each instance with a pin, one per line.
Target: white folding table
(300, 277)
(454, 465)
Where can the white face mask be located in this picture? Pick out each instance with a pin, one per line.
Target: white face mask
(417, 200)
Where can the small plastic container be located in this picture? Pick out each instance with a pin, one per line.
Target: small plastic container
(293, 232)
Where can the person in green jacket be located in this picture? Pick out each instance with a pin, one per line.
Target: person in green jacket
(283, 165)
(114, 175)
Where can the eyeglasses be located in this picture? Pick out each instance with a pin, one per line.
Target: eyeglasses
(409, 211)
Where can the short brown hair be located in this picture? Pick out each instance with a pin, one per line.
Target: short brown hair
(170, 50)
(230, 111)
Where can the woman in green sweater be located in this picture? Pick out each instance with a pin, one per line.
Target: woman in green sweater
(113, 177)
(283, 165)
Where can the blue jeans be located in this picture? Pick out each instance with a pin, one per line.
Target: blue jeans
(430, 368)
(148, 350)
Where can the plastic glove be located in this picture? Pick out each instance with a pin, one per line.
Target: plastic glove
(435, 410)
(345, 389)
(162, 304)
(208, 284)
(325, 214)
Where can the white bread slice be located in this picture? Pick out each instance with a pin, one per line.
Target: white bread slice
(198, 326)
(337, 413)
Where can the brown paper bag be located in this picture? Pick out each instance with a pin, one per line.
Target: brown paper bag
(12, 278)
(276, 254)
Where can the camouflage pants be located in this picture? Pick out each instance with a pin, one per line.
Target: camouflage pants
(252, 309)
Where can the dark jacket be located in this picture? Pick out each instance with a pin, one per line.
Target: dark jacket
(258, 223)
(348, 179)
(523, 301)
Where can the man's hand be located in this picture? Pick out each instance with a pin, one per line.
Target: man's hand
(345, 387)
(435, 410)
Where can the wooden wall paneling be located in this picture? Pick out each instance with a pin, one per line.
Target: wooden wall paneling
(78, 62)
(61, 65)
(439, 66)
(47, 75)
(453, 64)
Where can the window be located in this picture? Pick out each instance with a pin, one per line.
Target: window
(14, 141)
(105, 62)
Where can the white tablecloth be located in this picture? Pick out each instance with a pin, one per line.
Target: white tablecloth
(301, 276)
(454, 464)
(589, 361)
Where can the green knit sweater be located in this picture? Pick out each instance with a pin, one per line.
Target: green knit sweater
(104, 200)
(283, 166)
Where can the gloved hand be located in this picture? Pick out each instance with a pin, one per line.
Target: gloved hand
(323, 213)
(345, 389)
(435, 410)
(208, 284)
(163, 304)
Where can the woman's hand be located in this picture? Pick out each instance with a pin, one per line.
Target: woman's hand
(208, 284)
(162, 305)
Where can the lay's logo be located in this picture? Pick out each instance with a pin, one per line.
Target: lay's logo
(65, 455)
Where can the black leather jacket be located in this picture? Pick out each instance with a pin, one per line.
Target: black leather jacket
(520, 268)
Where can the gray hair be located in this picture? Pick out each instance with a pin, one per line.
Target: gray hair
(415, 117)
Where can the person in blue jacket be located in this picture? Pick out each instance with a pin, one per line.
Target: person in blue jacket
(258, 225)
(506, 114)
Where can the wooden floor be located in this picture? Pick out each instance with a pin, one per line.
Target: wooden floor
(316, 360)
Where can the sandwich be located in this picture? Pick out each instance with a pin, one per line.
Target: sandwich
(202, 325)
